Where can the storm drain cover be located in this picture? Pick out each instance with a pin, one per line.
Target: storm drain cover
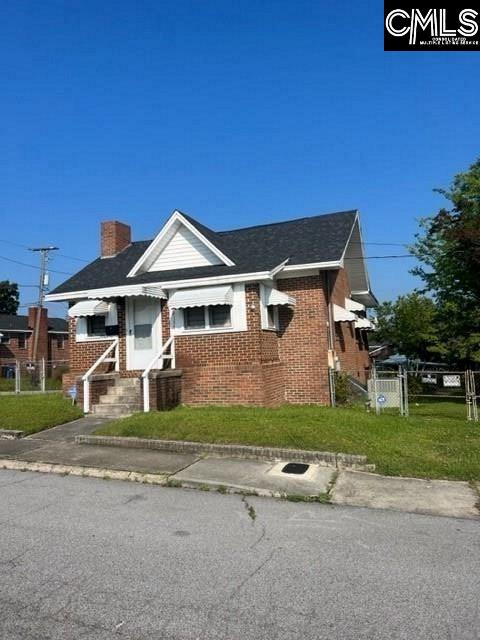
(298, 468)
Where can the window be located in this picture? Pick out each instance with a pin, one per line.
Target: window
(213, 317)
(219, 316)
(22, 341)
(5, 339)
(269, 311)
(60, 342)
(217, 313)
(194, 318)
(272, 317)
(96, 325)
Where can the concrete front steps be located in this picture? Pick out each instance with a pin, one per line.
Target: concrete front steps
(122, 399)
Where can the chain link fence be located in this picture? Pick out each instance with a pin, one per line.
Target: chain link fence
(429, 392)
(38, 376)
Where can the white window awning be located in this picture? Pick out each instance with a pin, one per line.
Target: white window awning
(274, 297)
(363, 323)
(342, 315)
(88, 308)
(352, 305)
(201, 297)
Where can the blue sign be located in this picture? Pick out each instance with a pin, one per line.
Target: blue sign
(72, 392)
(381, 399)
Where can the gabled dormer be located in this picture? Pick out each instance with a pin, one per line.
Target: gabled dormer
(181, 243)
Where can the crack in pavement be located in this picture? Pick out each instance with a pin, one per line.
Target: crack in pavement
(252, 574)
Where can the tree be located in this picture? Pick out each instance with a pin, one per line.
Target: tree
(449, 248)
(9, 297)
(409, 324)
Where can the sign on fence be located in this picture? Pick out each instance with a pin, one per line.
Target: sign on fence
(452, 381)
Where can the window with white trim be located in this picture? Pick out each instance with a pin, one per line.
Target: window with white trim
(268, 312)
(96, 326)
(221, 316)
(218, 316)
(272, 317)
(99, 326)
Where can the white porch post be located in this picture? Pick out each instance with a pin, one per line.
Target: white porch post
(146, 394)
(86, 395)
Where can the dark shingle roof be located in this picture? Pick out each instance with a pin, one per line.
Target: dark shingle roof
(320, 238)
(20, 323)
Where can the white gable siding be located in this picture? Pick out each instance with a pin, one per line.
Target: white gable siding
(182, 251)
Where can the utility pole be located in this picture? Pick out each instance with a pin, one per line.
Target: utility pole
(42, 288)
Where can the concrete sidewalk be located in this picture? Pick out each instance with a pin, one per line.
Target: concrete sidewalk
(55, 450)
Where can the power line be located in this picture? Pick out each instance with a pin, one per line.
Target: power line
(24, 246)
(34, 266)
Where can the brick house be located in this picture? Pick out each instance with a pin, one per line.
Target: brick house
(17, 338)
(250, 316)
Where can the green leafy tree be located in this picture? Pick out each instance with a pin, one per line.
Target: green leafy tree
(449, 249)
(409, 324)
(9, 297)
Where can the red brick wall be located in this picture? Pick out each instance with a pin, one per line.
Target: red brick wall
(351, 345)
(303, 344)
(54, 351)
(13, 351)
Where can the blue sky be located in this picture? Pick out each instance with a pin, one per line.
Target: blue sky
(238, 113)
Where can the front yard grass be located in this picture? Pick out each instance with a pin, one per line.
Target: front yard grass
(32, 413)
(435, 442)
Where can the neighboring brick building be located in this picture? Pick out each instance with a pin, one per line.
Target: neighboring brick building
(17, 338)
(257, 315)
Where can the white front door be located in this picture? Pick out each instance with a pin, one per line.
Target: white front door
(144, 331)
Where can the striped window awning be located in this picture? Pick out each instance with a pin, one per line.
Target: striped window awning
(201, 297)
(88, 308)
(274, 297)
(342, 315)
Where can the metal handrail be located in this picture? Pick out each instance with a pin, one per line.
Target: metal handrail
(86, 377)
(158, 356)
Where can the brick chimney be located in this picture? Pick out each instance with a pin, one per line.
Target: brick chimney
(41, 343)
(115, 236)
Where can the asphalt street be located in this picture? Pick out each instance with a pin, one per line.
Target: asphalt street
(82, 558)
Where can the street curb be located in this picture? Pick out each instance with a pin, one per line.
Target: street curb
(324, 458)
(11, 434)
(84, 472)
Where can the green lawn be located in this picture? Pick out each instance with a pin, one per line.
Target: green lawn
(32, 413)
(426, 445)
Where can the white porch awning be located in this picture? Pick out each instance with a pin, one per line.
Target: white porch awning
(88, 308)
(201, 297)
(275, 297)
(342, 315)
(152, 291)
